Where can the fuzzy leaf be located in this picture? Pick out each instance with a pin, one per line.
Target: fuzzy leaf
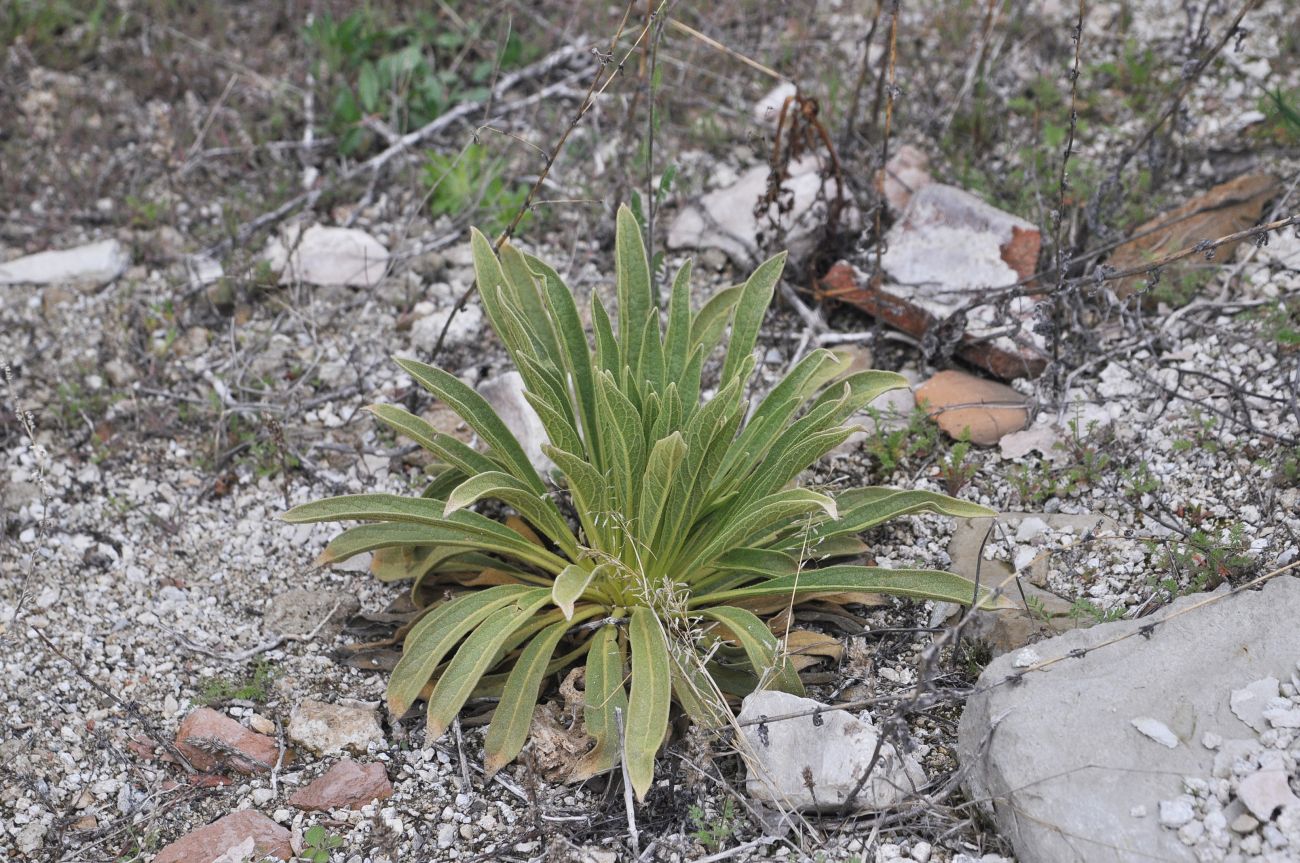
(436, 634)
(677, 340)
(469, 461)
(647, 706)
(464, 529)
(369, 537)
(514, 714)
(754, 300)
(712, 319)
(632, 278)
(604, 693)
(914, 583)
(570, 585)
(760, 645)
(478, 414)
(864, 508)
(539, 510)
(475, 657)
(661, 472)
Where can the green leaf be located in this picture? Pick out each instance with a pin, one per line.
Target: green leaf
(368, 87)
(514, 713)
(463, 528)
(662, 470)
(571, 584)
(697, 693)
(437, 633)
(609, 353)
(592, 494)
(456, 453)
(779, 512)
(369, 537)
(760, 561)
(527, 297)
(632, 278)
(754, 300)
(760, 646)
(474, 658)
(604, 693)
(539, 510)
(712, 319)
(864, 508)
(677, 340)
(647, 708)
(622, 441)
(478, 414)
(576, 350)
(491, 280)
(914, 583)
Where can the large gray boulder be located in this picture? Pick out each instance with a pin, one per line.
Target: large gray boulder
(1057, 757)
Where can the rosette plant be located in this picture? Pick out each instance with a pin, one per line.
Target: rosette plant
(670, 523)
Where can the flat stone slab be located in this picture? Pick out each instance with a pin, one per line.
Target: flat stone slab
(724, 218)
(814, 761)
(346, 785)
(96, 263)
(1057, 757)
(211, 740)
(250, 834)
(964, 404)
(300, 612)
(328, 728)
(322, 255)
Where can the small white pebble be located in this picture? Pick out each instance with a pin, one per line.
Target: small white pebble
(1026, 658)
(1191, 832)
(1176, 812)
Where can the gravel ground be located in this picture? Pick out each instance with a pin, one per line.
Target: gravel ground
(140, 551)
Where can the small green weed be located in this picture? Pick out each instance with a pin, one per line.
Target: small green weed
(714, 832)
(1085, 467)
(1133, 75)
(1200, 436)
(1084, 609)
(255, 687)
(1214, 551)
(318, 844)
(1036, 609)
(895, 446)
(139, 846)
(62, 34)
(1279, 323)
(954, 469)
(1287, 473)
(1282, 110)
(77, 404)
(404, 74)
(1140, 481)
(144, 214)
(1182, 285)
(473, 182)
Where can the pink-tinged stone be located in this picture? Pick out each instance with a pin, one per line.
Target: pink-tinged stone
(953, 239)
(904, 174)
(213, 740)
(233, 831)
(346, 785)
(959, 402)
